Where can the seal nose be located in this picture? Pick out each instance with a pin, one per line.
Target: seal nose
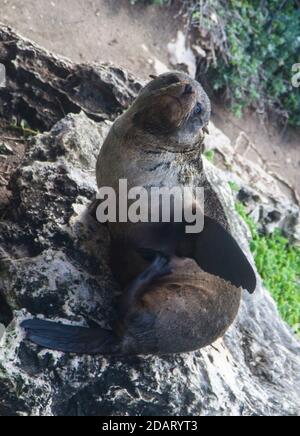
(188, 89)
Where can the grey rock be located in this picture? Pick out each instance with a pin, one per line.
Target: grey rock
(55, 266)
(41, 87)
(262, 194)
(5, 149)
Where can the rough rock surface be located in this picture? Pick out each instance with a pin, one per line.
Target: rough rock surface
(53, 263)
(269, 206)
(42, 88)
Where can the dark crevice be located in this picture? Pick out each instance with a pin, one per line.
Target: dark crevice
(6, 314)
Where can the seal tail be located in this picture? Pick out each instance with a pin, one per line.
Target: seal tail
(71, 339)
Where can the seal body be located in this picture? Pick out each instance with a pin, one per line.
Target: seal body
(185, 311)
(181, 292)
(182, 312)
(152, 153)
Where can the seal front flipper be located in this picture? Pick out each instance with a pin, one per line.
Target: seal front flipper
(218, 253)
(71, 339)
(160, 267)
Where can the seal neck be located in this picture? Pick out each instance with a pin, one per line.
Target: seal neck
(176, 143)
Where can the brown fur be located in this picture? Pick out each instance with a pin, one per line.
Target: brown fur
(185, 311)
(166, 307)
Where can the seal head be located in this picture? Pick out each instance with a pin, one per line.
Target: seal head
(172, 106)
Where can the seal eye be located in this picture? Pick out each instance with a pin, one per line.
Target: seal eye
(198, 109)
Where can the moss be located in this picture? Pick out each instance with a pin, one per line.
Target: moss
(210, 155)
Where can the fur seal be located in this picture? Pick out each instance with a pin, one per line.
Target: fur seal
(181, 292)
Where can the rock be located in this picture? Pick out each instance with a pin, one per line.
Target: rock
(181, 55)
(158, 65)
(258, 190)
(5, 149)
(53, 263)
(2, 330)
(199, 51)
(52, 87)
(56, 267)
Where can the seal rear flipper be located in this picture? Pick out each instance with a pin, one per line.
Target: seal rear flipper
(218, 253)
(71, 339)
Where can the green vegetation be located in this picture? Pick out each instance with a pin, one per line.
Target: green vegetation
(256, 44)
(234, 186)
(210, 155)
(23, 128)
(278, 263)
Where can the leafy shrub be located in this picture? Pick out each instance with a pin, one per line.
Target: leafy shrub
(256, 44)
(278, 263)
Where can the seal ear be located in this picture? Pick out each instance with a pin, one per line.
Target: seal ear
(218, 253)
(159, 114)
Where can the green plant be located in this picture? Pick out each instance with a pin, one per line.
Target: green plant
(278, 263)
(254, 46)
(24, 128)
(234, 186)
